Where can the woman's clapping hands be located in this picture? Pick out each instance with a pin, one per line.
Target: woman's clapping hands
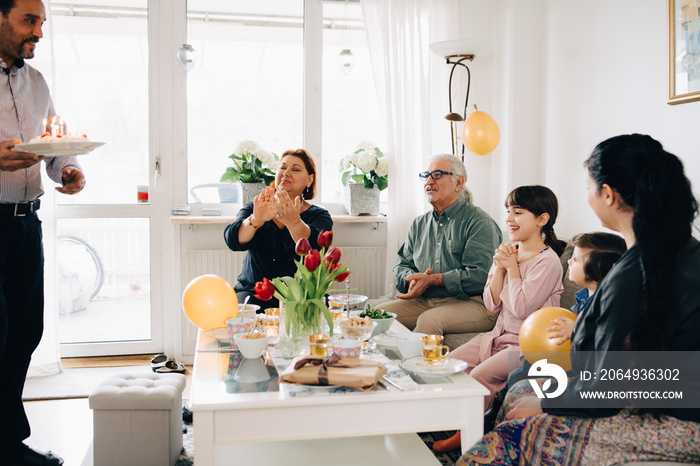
(288, 210)
(264, 205)
(271, 204)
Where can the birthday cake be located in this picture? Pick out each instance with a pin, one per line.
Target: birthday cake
(64, 138)
(56, 144)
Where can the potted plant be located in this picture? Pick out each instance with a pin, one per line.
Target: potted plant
(364, 174)
(253, 167)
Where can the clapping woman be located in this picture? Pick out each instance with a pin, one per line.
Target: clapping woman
(269, 227)
(649, 301)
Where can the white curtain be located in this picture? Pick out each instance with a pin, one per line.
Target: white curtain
(399, 34)
(46, 359)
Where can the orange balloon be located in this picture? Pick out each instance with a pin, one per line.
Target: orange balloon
(480, 133)
(208, 301)
(534, 337)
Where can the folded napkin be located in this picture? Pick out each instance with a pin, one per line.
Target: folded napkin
(362, 374)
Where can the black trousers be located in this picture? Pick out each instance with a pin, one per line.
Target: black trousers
(21, 318)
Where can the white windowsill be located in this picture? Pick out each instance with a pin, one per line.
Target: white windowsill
(226, 219)
(228, 214)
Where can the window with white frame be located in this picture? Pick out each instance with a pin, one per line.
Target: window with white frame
(100, 64)
(248, 84)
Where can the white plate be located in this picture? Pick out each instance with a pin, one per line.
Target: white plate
(386, 340)
(219, 334)
(418, 366)
(59, 149)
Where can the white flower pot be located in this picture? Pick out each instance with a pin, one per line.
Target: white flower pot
(359, 200)
(250, 190)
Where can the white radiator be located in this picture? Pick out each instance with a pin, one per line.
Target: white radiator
(365, 264)
(366, 267)
(226, 264)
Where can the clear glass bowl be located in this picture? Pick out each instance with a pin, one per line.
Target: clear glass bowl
(356, 332)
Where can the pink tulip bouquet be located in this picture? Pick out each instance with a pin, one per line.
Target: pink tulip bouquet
(303, 293)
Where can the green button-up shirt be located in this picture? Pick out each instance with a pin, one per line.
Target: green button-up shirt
(459, 243)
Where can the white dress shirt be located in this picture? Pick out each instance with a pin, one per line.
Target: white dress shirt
(25, 102)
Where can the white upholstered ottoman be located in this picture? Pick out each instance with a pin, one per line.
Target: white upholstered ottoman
(137, 420)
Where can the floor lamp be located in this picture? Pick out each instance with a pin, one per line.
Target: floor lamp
(453, 117)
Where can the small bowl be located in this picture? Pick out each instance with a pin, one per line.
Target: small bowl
(347, 348)
(237, 325)
(357, 332)
(249, 346)
(248, 312)
(251, 371)
(383, 324)
(410, 345)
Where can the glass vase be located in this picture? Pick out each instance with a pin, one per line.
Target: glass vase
(297, 322)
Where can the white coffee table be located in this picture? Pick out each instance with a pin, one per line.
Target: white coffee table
(222, 419)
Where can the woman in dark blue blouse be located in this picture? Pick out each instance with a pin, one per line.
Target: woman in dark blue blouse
(269, 227)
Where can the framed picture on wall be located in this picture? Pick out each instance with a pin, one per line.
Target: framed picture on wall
(683, 51)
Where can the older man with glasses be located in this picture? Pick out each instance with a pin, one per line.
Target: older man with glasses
(443, 265)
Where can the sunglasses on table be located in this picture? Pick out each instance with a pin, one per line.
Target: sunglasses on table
(435, 174)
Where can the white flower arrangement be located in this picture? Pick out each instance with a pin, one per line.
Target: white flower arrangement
(251, 164)
(372, 164)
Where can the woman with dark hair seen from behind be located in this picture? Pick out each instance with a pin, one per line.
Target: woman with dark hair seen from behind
(650, 301)
(269, 227)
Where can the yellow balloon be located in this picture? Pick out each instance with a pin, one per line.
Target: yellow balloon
(208, 301)
(534, 338)
(480, 133)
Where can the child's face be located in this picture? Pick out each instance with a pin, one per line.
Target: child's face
(576, 263)
(523, 224)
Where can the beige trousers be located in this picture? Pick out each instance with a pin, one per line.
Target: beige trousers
(437, 316)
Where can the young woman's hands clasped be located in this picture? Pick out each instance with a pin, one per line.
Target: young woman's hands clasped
(506, 257)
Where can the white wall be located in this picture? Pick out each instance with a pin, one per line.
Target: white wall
(569, 74)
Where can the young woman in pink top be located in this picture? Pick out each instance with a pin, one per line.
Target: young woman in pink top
(525, 276)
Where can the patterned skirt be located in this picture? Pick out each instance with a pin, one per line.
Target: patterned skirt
(554, 440)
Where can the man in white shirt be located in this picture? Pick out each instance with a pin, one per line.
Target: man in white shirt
(25, 103)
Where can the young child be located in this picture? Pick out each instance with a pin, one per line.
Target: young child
(524, 277)
(593, 257)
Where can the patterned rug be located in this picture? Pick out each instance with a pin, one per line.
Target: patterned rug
(446, 459)
(187, 456)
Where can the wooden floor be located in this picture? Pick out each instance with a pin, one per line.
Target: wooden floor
(65, 426)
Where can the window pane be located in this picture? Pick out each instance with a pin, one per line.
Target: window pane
(351, 112)
(101, 64)
(103, 280)
(247, 84)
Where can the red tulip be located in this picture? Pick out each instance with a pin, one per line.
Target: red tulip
(312, 260)
(264, 290)
(331, 266)
(325, 239)
(333, 255)
(302, 247)
(341, 278)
